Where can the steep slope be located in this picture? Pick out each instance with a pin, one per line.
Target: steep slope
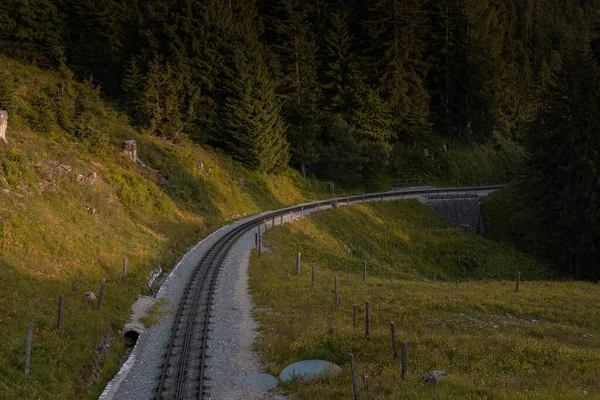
(73, 206)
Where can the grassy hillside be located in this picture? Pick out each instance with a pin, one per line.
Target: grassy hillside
(493, 342)
(62, 232)
(60, 237)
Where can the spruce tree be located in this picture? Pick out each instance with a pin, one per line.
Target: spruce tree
(303, 134)
(172, 124)
(468, 78)
(563, 178)
(396, 48)
(486, 70)
(295, 45)
(297, 49)
(338, 60)
(151, 101)
(251, 122)
(132, 85)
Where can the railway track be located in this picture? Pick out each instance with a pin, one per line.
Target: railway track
(183, 371)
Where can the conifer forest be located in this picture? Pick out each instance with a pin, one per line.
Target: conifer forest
(347, 91)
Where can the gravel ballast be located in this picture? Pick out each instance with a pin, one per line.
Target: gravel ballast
(138, 377)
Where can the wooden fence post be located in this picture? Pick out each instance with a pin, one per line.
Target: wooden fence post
(354, 315)
(60, 313)
(259, 242)
(337, 300)
(354, 378)
(314, 274)
(394, 344)
(518, 280)
(125, 262)
(298, 263)
(28, 348)
(101, 293)
(367, 320)
(404, 358)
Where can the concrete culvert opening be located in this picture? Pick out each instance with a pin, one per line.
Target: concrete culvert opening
(131, 337)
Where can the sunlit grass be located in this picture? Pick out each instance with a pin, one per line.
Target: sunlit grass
(493, 342)
(58, 237)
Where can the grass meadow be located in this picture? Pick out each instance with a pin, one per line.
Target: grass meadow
(542, 342)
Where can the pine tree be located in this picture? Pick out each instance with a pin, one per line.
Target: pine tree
(254, 131)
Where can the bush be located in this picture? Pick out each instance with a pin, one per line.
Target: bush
(340, 158)
(42, 117)
(7, 94)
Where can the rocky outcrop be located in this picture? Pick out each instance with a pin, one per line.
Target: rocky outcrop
(3, 125)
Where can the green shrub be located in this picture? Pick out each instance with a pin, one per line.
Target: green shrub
(41, 114)
(7, 93)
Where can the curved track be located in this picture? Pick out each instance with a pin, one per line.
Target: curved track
(182, 374)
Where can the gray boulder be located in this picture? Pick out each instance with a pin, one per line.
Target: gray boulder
(433, 377)
(308, 369)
